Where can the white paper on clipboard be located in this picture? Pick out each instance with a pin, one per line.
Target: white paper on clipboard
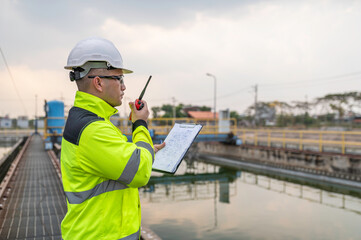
(177, 143)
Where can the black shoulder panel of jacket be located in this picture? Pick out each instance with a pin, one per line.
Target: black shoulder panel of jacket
(77, 120)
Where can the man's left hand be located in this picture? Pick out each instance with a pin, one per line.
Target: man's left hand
(158, 147)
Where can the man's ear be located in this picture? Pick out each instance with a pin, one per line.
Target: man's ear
(97, 83)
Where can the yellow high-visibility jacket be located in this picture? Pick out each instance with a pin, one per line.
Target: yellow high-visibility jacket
(101, 172)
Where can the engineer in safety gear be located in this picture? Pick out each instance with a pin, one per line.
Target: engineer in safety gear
(101, 170)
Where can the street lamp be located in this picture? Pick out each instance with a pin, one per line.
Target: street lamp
(214, 77)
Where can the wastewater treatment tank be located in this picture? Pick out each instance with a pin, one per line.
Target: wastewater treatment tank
(55, 122)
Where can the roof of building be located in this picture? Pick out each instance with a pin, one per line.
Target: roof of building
(202, 115)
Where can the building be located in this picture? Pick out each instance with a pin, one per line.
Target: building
(22, 122)
(5, 122)
(203, 115)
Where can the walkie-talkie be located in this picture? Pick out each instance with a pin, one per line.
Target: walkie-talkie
(138, 103)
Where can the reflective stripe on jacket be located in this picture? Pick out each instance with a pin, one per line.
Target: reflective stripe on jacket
(101, 172)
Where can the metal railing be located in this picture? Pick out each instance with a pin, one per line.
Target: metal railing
(16, 132)
(322, 141)
(48, 130)
(162, 126)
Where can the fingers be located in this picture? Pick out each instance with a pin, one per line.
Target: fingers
(132, 106)
(158, 147)
(139, 114)
(145, 104)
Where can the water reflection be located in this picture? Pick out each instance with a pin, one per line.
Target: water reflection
(204, 201)
(5, 147)
(191, 187)
(336, 200)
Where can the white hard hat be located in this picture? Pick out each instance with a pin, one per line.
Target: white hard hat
(95, 52)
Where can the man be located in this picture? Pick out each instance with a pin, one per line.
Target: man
(101, 171)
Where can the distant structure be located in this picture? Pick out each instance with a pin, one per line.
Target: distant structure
(22, 122)
(204, 115)
(40, 123)
(224, 124)
(5, 122)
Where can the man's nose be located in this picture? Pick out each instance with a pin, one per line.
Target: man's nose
(123, 87)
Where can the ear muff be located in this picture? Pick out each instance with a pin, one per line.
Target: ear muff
(75, 75)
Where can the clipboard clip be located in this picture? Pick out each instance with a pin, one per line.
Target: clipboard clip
(187, 125)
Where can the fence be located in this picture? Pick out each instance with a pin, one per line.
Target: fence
(322, 141)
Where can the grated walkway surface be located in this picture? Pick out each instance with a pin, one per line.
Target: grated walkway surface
(36, 204)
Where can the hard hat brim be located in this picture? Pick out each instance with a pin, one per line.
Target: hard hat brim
(125, 71)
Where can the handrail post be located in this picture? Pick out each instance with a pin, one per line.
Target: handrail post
(343, 143)
(243, 136)
(284, 139)
(45, 127)
(268, 138)
(320, 143)
(255, 137)
(301, 136)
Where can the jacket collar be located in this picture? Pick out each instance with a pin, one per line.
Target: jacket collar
(94, 104)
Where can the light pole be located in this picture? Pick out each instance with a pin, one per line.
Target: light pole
(36, 114)
(215, 82)
(174, 113)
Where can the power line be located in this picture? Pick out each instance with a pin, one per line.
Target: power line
(315, 80)
(295, 86)
(224, 95)
(12, 79)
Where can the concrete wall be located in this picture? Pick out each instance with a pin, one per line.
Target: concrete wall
(331, 163)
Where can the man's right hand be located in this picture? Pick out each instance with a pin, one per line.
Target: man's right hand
(142, 114)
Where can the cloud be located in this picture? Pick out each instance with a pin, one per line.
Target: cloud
(242, 44)
(46, 84)
(263, 44)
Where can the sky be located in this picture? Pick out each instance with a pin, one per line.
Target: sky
(292, 50)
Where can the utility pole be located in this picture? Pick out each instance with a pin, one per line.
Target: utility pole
(255, 104)
(306, 112)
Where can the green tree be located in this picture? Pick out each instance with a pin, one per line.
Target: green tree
(205, 108)
(340, 102)
(156, 111)
(179, 111)
(168, 110)
(234, 114)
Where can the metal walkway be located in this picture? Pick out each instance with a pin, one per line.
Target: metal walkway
(36, 204)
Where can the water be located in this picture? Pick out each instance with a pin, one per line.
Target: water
(203, 201)
(5, 147)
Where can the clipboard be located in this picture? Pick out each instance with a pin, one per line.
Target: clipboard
(177, 143)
